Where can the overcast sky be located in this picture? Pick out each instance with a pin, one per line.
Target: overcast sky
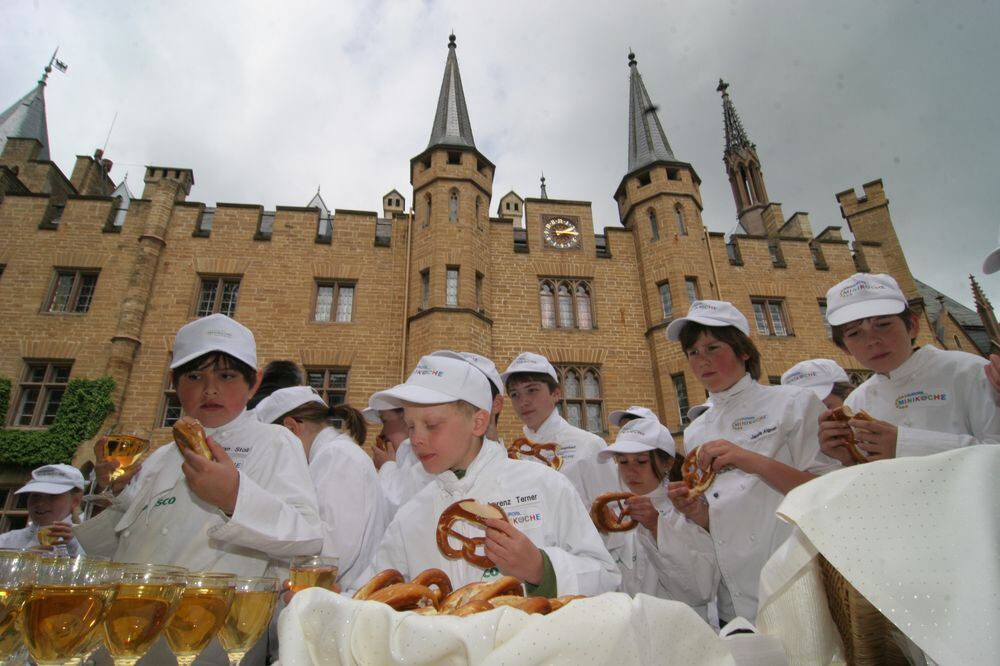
(267, 101)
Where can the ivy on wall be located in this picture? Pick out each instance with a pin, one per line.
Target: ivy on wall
(85, 405)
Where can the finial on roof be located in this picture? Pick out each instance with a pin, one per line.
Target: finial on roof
(631, 58)
(451, 40)
(723, 86)
(544, 193)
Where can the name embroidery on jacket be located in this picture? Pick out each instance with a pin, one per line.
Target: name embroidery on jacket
(907, 399)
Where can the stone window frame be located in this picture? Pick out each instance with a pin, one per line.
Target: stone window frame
(679, 219)
(170, 407)
(666, 303)
(654, 225)
(692, 289)
(821, 302)
(338, 288)
(48, 390)
(452, 291)
(581, 399)
(201, 309)
(82, 287)
(767, 311)
(555, 322)
(319, 378)
(13, 508)
(679, 382)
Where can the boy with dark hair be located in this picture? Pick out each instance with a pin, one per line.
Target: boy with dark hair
(277, 374)
(924, 400)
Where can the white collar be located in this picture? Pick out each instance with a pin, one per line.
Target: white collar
(911, 365)
(489, 452)
(734, 392)
(548, 430)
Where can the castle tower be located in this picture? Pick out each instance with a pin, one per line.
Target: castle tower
(659, 200)
(25, 119)
(745, 176)
(447, 292)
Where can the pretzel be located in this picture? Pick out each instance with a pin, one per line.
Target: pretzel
(381, 443)
(406, 596)
(481, 591)
(559, 602)
(845, 414)
(524, 447)
(606, 519)
(189, 434)
(470, 608)
(377, 582)
(438, 579)
(530, 605)
(697, 479)
(473, 512)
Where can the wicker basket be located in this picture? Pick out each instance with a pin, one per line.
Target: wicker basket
(867, 634)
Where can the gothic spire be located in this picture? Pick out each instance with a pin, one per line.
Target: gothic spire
(451, 120)
(736, 136)
(545, 195)
(986, 315)
(25, 119)
(646, 141)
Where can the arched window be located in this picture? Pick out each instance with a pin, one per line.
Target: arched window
(582, 408)
(427, 219)
(566, 303)
(479, 204)
(654, 225)
(583, 319)
(679, 216)
(548, 305)
(453, 207)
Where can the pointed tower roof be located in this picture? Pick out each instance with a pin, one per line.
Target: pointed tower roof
(987, 316)
(451, 120)
(736, 136)
(646, 141)
(545, 195)
(317, 202)
(25, 119)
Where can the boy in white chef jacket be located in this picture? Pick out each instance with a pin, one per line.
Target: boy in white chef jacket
(533, 386)
(550, 543)
(245, 511)
(54, 495)
(351, 504)
(761, 441)
(400, 473)
(924, 400)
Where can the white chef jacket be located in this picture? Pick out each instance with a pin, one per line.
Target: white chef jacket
(157, 519)
(938, 400)
(351, 504)
(665, 567)
(27, 537)
(402, 478)
(574, 443)
(539, 502)
(779, 422)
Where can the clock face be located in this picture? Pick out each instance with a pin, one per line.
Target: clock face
(561, 233)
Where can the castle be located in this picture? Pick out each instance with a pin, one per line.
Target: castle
(95, 281)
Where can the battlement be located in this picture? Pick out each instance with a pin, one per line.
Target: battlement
(873, 197)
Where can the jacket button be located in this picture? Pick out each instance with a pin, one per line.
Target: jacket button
(127, 533)
(163, 531)
(715, 495)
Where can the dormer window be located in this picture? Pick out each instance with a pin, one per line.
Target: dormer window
(454, 157)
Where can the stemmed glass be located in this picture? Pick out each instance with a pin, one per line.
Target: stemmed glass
(127, 451)
(202, 610)
(17, 571)
(249, 616)
(312, 571)
(65, 606)
(146, 600)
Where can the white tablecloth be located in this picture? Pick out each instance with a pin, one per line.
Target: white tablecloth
(918, 537)
(321, 627)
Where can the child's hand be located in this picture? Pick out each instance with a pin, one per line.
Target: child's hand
(513, 552)
(643, 512)
(993, 372)
(721, 453)
(62, 532)
(384, 453)
(833, 434)
(103, 468)
(214, 481)
(876, 438)
(694, 508)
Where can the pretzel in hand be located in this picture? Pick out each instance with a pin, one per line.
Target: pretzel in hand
(697, 479)
(475, 513)
(523, 448)
(845, 414)
(607, 519)
(189, 434)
